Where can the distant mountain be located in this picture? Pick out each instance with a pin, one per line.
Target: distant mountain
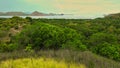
(35, 13)
(13, 14)
(1, 13)
(16, 14)
(116, 15)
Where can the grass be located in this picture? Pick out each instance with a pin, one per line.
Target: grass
(87, 58)
(38, 63)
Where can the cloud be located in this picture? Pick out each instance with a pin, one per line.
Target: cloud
(33, 1)
(86, 6)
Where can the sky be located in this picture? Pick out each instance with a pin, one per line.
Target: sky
(79, 7)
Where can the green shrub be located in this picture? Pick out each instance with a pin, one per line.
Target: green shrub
(3, 33)
(100, 38)
(29, 48)
(108, 50)
(7, 47)
(16, 27)
(45, 36)
(75, 45)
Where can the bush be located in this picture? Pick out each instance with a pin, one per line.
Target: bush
(45, 36)
(7, 47)
(75, 45)
(16, 27)
(100, 38)
(108, 50)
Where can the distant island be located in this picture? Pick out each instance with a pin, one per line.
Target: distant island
(35, 13)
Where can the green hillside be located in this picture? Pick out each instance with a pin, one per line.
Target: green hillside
(95, 43)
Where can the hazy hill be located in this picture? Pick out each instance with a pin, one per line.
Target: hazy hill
(35, 13)
(117, 15)
(1, 13)
(15, 13)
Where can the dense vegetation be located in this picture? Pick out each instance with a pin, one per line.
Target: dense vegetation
(44, 36)
(36, 63)
(100, 35)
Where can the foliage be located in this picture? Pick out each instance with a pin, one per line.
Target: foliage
(108, 50)
(45, 36)
(100, 35)
(7, 47)
(100, 38)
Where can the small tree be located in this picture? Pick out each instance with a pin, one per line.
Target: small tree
(45, 36)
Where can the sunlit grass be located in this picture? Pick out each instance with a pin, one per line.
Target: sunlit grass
(38, 63)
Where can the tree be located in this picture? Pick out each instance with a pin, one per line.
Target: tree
(100, 38)
(108, 50)
(45, 36)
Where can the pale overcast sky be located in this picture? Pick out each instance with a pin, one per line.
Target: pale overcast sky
(81, 7)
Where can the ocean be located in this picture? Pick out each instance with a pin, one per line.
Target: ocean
(55, 17)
